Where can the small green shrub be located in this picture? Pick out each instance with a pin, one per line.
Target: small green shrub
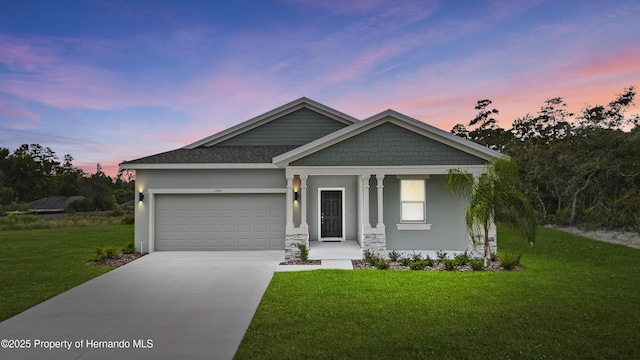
(421, 264)
(103, 253)
(129, 248)
(477, 265)
(369, 257)
(462, 259)
(394, 255)
(441, 255)
(405, 261)
(449, 264)
(381, 264)
(304, 252)
(416, 256)
(510, 261)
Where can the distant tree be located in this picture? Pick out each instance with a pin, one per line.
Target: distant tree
(493, 197)
(484, 129)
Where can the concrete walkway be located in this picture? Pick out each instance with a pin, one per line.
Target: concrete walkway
(167, 305)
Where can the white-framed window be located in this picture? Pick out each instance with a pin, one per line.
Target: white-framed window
(413, 201)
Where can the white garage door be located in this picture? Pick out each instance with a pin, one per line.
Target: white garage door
(220, 222)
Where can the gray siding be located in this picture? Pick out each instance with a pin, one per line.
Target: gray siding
(445, 213)
(297, 128)
(388, 145)
(211, 179)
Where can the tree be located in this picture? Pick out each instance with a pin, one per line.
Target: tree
(484, 129)
(493, 197)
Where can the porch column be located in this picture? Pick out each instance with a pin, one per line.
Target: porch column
(380, 225)
(303, 203)
(365, 202)
(289, 204)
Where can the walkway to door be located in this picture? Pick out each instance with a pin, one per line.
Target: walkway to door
(339, 250)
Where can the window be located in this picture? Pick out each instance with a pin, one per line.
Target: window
(412, 201)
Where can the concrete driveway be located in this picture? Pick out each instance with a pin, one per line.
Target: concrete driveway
(166, 305)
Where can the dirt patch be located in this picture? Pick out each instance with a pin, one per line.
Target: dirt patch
(627, 238)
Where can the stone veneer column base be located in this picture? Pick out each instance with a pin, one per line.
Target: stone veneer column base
(477, 252)
(376, 243)
(291, 241)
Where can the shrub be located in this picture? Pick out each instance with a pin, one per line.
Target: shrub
(441, 255)
(420, 265)
(394, 255)
(103, 253)
(128, 219)
(449, 264)
(510, 261)
(129, 248)
(405, 261)
(416, 256)
(370, 257)
(381, 264)
(462, 259)
(304, 252)
(477, 265)
(115, 212)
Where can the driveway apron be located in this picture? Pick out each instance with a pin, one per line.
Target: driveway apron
(166, 305)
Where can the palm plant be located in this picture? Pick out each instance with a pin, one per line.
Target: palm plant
(493, 197)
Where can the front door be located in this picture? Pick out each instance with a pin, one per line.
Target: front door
(331, 215)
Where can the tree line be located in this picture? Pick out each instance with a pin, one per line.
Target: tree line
(575, 169)
(33, 171)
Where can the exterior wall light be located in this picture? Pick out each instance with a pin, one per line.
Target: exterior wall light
(140, 196)
(295, 196)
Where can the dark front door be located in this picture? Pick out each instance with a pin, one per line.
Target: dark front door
(331, 214)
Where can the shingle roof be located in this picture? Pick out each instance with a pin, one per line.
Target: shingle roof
(53, 203)
(217, 155)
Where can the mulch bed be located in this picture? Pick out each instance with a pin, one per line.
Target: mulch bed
(121, 259)
(300, 262)
(438, 266)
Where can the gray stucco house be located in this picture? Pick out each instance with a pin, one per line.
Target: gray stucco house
(305, 172)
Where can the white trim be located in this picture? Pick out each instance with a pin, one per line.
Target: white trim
(220, 191)
(183, 166)
(421, 170)
(413, 226)
(412, 177)
(341, 189)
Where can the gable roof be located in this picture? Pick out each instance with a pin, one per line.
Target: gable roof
(276, 113)
(377, 120)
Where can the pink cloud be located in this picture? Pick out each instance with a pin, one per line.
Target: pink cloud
(18, 118)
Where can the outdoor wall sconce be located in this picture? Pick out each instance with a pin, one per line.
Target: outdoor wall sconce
(295, 196)
(140, 196)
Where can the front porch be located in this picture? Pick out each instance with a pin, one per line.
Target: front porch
(339, 250)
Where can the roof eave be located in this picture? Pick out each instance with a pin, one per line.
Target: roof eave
(203, 166)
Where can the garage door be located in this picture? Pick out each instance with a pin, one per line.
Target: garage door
(220, 222)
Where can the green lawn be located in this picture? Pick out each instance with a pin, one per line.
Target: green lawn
(36, 265)
(576, 299)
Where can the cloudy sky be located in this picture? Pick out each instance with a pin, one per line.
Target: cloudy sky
(115, 80)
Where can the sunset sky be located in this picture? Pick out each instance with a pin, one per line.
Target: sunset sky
(115, 80)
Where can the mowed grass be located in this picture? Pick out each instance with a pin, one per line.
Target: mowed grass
(36, 265)
(576, 299)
